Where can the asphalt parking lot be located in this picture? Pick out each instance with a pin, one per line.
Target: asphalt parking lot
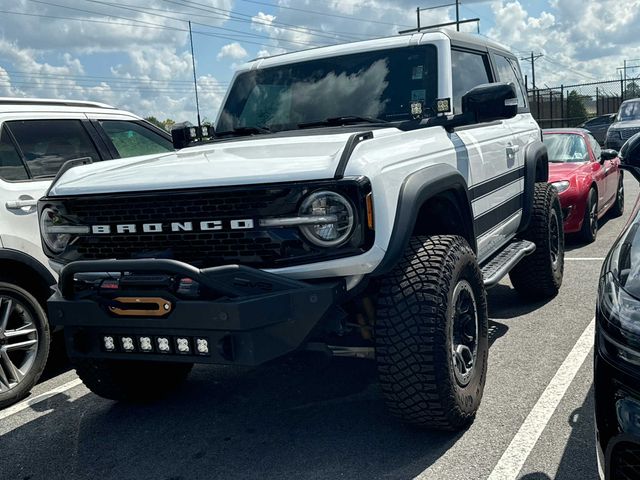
(310, 418)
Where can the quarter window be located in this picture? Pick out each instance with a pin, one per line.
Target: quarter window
(469, 70)
(131, 139)
(11, 166)
(509, 74)
(47, 144)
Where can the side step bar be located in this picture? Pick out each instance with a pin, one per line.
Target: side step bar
(500, 265)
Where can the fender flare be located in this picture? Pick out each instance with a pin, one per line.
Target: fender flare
(29, 261)
(416, 190)
(536, 169)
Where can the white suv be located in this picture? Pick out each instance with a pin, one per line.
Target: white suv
(357, 199)
(36, 138)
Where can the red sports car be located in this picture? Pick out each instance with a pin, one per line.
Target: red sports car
(587, 178)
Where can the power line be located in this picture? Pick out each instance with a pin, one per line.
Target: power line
(324, 14)
(148, 25)
(569, 68)
(238, 17)
(180, 20)
(139, 80)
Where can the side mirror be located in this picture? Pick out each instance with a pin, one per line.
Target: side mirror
(490, 102)
(608, 154)
(630, 156)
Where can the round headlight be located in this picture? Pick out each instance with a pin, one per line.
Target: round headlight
(328, 204)
(50, 223)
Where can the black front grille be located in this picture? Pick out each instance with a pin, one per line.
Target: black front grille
(625, 461)
(257, 247)
(627, 133)
(177, 207)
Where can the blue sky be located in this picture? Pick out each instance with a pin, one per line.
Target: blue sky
(135, 53)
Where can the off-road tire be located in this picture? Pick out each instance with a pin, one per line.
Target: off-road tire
(37, 315)
(617, 209)
(537, 276)
(131, 381)
(589, 231)
(413, 334)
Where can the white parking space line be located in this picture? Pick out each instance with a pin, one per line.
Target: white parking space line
(585, 259)
(520, 448)
(18, 407)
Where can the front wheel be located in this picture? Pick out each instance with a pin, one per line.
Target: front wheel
(131, 381)
(432, 334)
(589, 230)
(24, 343)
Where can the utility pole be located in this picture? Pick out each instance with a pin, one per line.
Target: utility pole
(533, 59)
(195, 82)
(457, 23)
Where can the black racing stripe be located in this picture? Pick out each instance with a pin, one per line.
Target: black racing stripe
(493, 217)
(495, 183)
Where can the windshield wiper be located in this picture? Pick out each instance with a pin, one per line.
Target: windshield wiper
(245, 131)
(340, 121)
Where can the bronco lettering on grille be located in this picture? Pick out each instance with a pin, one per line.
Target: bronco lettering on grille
(203, 226)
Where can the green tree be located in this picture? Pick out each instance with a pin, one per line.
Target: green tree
(632, 90)
(576, 111)
(155, 121)
(168, 124)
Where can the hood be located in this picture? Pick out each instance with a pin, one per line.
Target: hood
(237, 162)
(625, 124)
(562, 171)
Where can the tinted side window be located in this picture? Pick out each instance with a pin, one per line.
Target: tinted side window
(131, 138)
(469, 70)
(507, 73)
(48, 144)
(11, 166)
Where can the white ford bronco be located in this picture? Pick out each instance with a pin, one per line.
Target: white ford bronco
(357, 198)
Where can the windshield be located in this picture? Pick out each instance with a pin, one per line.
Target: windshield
(380, 84)
(629, 111)
(566, 147)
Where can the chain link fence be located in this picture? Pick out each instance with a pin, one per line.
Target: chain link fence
(572, 105)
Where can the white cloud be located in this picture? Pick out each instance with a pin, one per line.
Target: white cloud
(142, 61)
(233, 51)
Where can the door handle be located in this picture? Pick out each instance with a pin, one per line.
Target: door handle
(20, 204)
(512, 149)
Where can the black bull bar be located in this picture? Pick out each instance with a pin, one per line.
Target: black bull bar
(244, 316)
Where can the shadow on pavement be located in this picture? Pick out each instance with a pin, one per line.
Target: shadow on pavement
(58, 362)
(496, 330)
(578, 460)
(573, 242)
(579, 457)
(303, 418)
(506, 303)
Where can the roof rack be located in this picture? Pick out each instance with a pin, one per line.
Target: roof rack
(53, 102)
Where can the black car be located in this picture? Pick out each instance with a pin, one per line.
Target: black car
(626, 125)
(598, 126)
(617, 349)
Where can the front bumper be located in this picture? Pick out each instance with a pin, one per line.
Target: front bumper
(244, 316)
